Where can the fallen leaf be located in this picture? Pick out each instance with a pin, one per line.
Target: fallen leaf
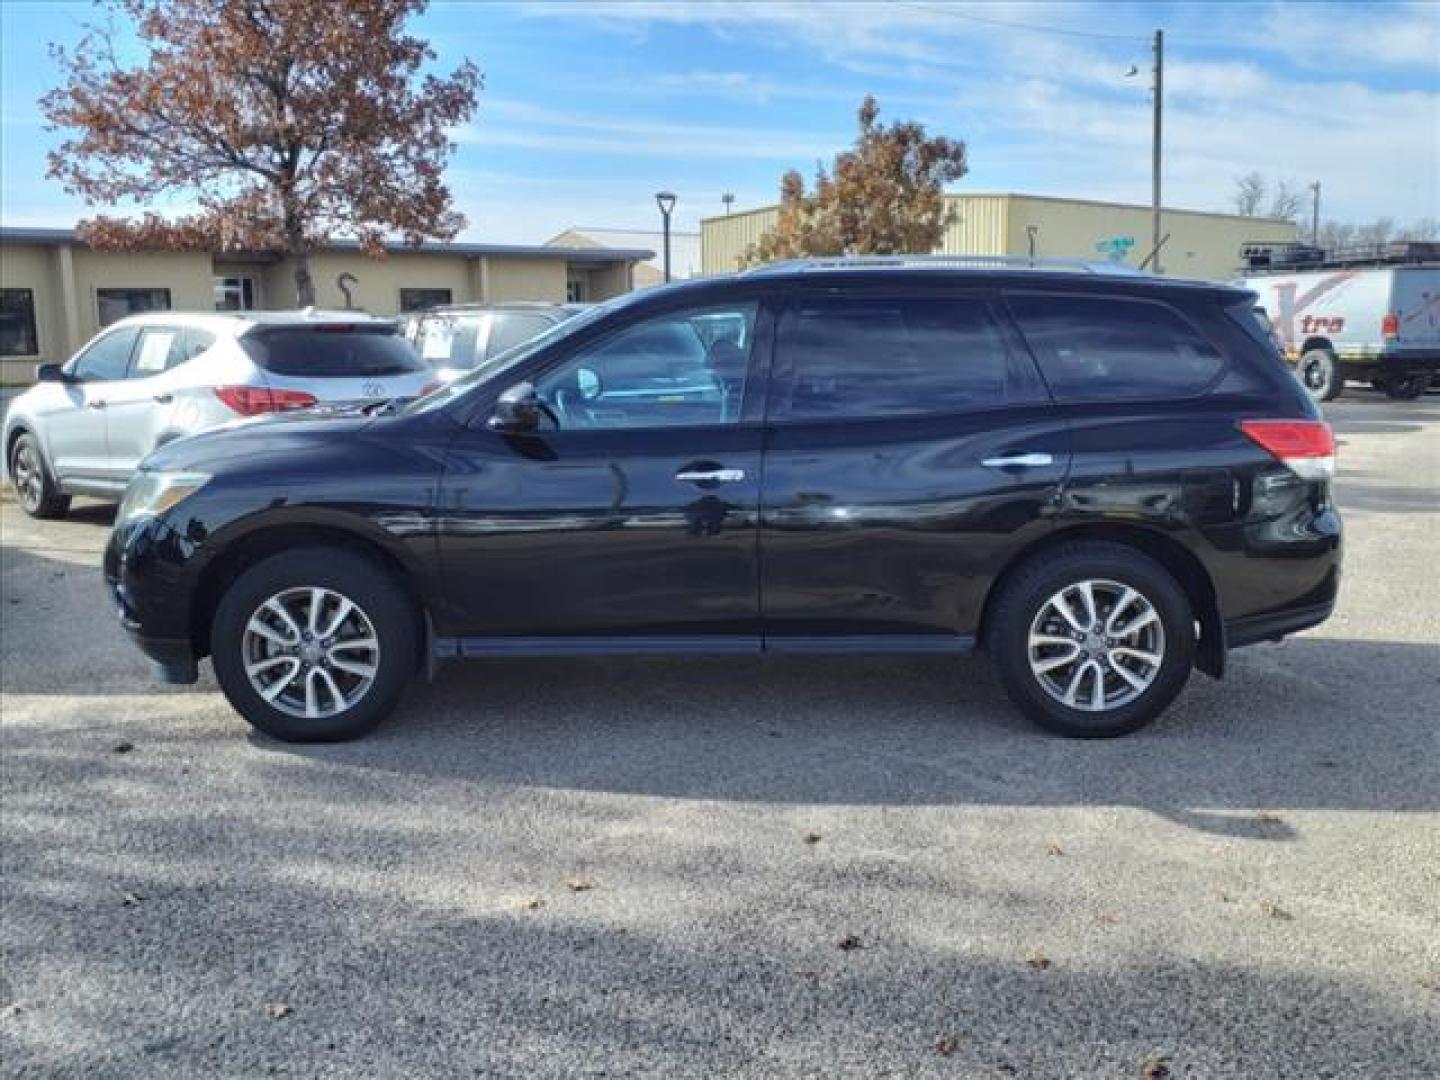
(279, 1010)
(947, 1044)
(123, 747)
(1107, 918)
(812, 838)
(580, 883)
(1037, 959)
(1269, 817)
(1427, 982)
(848, 942)
(532, 904)
(131, 899)
(1155, 1067)
(1271, 910)
(1225, 897)
(808, 973)
(1052, 848)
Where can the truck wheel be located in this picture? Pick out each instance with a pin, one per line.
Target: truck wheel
(1406, 387)
(315, 645)
(1092, 640)
(1319, 372)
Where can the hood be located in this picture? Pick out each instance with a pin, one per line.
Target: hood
(287, 436)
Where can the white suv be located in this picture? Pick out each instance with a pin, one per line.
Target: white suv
(149, 379)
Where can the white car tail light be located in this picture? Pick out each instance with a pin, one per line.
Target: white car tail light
(254, 400)
(1305, 447)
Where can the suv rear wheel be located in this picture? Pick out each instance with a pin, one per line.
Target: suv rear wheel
(1093, 639)
(314, 645)
(34, 488)
(1404, 387)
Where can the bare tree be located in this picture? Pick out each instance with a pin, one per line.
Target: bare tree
(1249, 194)
(1286, 201)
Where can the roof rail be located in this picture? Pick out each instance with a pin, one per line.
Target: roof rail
(939, 262)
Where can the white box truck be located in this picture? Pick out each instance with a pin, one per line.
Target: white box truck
(1367, 314)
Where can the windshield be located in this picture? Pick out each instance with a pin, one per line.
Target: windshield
(496, 366)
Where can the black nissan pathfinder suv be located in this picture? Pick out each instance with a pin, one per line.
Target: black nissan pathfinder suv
(1103, 479)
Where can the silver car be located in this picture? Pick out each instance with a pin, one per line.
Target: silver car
(459, 338)
(148, 379)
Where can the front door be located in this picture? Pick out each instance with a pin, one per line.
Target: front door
(76, 428)
(912, 448)
(628, 523)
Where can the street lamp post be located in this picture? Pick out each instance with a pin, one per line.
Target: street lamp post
(666, 201)
(1315, 215)
(1158, 90)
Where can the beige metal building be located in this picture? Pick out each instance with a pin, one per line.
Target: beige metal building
(1201, 245)
(55, 292)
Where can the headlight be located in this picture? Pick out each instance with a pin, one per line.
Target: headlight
(150, 494)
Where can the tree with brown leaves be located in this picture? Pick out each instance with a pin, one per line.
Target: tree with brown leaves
(884, 197)
(287, 121)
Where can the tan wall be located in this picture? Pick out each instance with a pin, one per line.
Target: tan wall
(186, 274)
(33, 267)
(724, 240)
(613, 280)
(524, 279)
(1200, 245)
(379, 281)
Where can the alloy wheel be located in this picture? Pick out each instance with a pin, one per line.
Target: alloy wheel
(29, 481)
(1096, 645)
(310, 652)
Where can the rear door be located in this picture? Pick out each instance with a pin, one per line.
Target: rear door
(137, 407)
(911, 448)
(339, 362)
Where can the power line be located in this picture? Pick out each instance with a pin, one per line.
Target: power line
(1033, 27)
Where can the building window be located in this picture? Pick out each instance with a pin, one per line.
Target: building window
(17, 323)
(423, 299)
(235, 294)
(115, 304)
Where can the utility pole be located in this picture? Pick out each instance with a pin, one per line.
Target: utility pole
(729, 200)
(1315, 215)
(1157, 90)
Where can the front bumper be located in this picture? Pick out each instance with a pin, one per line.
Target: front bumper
(151, 597)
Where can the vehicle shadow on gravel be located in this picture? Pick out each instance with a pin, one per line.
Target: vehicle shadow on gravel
(1313, 723)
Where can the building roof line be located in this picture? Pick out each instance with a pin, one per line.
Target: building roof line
(57, 237)
(1041, 198)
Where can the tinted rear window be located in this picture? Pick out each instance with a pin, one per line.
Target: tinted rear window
(332, 352)
(902, 357)
(1109, 348)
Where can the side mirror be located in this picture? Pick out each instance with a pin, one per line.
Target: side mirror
(517, 411)
(50, 373)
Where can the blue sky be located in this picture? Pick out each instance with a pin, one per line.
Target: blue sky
(590, 107)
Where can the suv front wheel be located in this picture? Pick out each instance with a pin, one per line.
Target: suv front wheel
(1093, 639)
(314, 645)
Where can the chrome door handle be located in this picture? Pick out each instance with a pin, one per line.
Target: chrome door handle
(1018, 461)
(711, 476)
(164, 399)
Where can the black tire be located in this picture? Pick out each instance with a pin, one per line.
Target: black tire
(1319, 373)
(1405, 387)
(35, 489)
(1026, 593)
(381, 601)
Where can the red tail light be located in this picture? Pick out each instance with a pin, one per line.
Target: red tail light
(254, 400)
(1390, 325)
(429, 387)
(1306, 447)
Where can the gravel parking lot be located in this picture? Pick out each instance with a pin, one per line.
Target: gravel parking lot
(782, 868)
